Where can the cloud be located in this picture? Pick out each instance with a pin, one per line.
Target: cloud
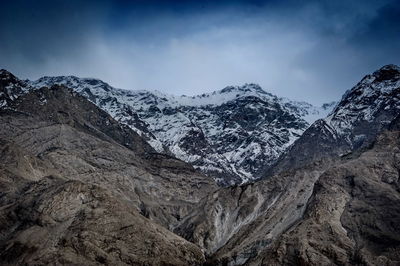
(313, 51)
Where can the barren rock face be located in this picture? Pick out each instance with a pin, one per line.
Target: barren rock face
(352, 216)
(54, 221)
(235, 224)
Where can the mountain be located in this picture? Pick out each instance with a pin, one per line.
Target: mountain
(366, 109)
(331, 199)
(77, 187)
(230, 135)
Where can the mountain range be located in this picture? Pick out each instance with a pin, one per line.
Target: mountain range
(230, 134)
(95, 175)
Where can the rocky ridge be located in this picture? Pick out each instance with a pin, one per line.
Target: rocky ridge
(366, 109)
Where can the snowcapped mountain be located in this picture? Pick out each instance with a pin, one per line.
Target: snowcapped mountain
(364, 111)
(229, 134)
(374, 99)
(10, 87)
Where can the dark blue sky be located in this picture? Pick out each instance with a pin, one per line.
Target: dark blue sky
(304, 50)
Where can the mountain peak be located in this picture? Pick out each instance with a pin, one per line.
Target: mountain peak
(374, 100)
(6, 75)
(363, 112)
(388, 72)
(71, 82)
(3, 71)
(247, 87)
(390, 67)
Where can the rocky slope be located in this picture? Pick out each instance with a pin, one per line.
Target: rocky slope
(325, 207)
(68, 222)
(231, 134)
(92, 188)
(352, 216)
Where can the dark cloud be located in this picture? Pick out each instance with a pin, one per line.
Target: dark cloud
(309, 50)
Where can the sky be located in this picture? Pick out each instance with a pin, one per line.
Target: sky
(303, 50)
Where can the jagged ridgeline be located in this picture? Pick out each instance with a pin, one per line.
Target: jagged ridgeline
(230, 135)
(89, 175)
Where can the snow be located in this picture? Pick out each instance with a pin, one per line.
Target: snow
(362, 103)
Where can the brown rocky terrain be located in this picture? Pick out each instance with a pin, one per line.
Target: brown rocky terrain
(68, 222)
(353, 215)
